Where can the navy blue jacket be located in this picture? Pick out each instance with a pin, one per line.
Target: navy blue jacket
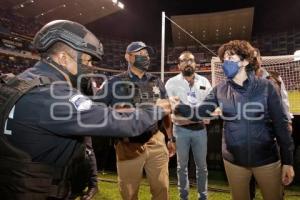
(254, 121)
(49, 121)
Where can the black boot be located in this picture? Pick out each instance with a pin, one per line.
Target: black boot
(91, 192)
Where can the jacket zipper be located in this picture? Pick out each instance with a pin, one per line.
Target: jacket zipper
(248, 139)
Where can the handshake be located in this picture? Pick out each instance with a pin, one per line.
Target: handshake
(169, 106)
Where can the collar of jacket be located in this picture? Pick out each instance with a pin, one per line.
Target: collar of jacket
(247, 84)
(145, 77)
(46, 69)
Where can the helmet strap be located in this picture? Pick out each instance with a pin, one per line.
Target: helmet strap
(71, 77)
(81, 69)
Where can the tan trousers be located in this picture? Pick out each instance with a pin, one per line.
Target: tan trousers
(268, 178)
(155, 162)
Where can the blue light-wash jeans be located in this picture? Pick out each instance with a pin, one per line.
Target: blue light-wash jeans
(197, 141)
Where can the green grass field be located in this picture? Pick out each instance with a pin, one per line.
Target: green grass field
(218, 189)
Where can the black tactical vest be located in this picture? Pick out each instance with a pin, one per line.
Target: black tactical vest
(140, 92)
(20, 177)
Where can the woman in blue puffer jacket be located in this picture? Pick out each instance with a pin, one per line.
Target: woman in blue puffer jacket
(255, 124)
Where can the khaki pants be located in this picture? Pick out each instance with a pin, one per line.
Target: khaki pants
(268, 178)
(155, 162)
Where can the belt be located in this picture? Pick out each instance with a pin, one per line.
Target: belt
(143, 138)
(194, 127)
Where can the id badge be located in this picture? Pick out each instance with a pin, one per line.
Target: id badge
(192, 99)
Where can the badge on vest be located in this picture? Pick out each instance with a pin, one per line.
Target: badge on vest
(81, 102)
(156, 90)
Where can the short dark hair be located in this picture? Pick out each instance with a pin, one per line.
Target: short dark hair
(57, 47)
(244, 50)
(185, 52)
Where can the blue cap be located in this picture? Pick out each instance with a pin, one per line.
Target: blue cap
(137, 46)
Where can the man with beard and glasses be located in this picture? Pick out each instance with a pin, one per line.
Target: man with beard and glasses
(191, 89)
(151, 151)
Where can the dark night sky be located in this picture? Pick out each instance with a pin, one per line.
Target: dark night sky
(141, 19)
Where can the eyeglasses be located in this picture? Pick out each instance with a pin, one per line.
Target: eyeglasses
(187, 61)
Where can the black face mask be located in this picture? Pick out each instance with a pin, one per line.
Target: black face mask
(188, 71)
(86, 86)
(82, 69)
(142, 62)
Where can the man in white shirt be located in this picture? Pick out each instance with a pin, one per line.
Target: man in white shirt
(191, 89)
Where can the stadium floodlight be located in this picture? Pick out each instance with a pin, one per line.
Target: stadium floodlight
(121, 5)
(297, 55)
(115, 1)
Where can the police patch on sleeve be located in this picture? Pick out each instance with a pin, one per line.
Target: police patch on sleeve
(80, 102)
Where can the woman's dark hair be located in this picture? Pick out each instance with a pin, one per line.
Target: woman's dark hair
(244, 50)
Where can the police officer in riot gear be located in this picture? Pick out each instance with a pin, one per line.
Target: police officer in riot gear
(44, 118)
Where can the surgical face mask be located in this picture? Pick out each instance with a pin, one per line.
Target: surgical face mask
(188, 71)
(142, 62)
(230, 68)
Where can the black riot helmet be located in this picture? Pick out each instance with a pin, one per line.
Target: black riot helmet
(71, 33)
(75, 36)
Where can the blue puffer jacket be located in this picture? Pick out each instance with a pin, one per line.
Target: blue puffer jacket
(254, 121)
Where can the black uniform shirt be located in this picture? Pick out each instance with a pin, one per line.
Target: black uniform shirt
(49, 121)
(112, 92)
